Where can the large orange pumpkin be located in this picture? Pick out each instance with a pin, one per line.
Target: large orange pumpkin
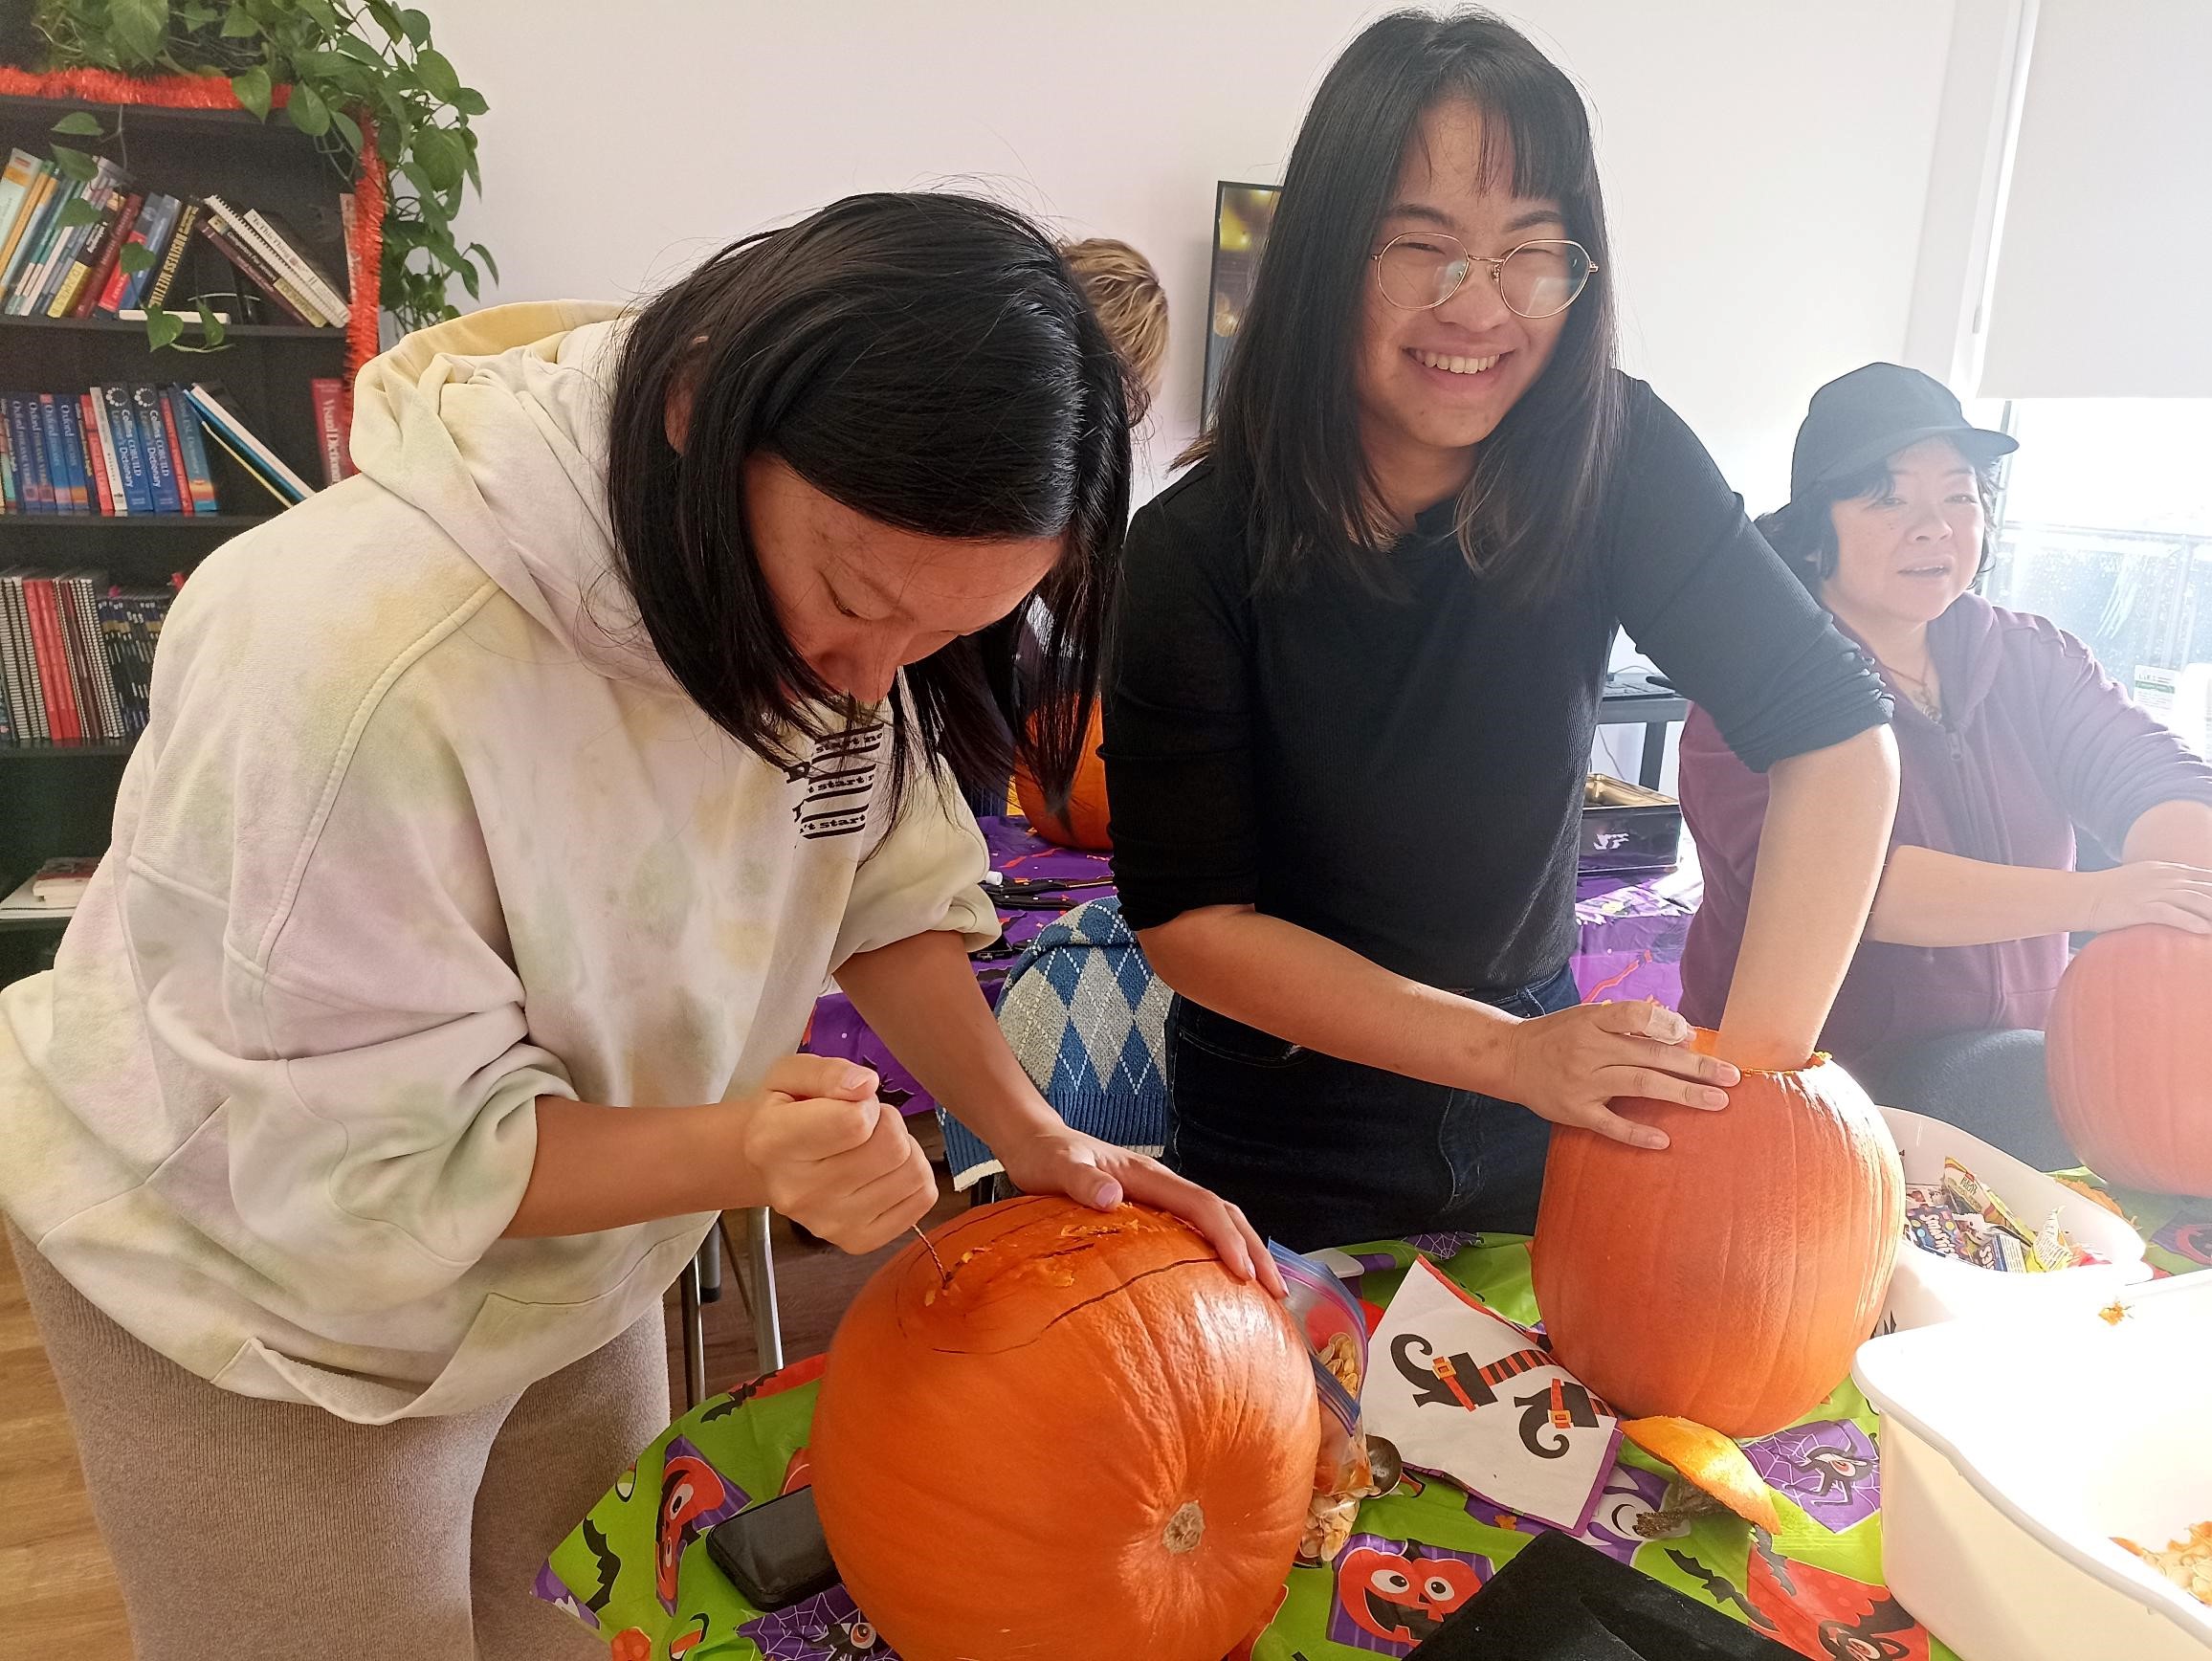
(1092, 1444)
(2126, 1057)
(1084, 824)
(1729, 1276)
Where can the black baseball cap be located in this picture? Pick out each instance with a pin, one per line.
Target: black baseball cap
(1857, 419)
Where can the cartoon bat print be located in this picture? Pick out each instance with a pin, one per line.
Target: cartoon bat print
(604, 1560)
(768, 1385)
(1715, 1587)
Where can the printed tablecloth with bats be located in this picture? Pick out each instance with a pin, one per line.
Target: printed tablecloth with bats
(636, 1570)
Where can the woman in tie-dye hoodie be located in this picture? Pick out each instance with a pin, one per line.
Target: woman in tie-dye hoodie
(503, 813)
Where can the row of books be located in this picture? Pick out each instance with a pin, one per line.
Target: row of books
(122, 451)
(64, 246)
(77, 657)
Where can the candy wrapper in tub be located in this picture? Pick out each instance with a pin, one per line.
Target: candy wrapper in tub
(1961, 1218)
(1970, 1196)
(1336, 1337)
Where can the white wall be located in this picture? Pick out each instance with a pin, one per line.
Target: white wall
(2099, 286)
(1976, 135)
(1767, 164)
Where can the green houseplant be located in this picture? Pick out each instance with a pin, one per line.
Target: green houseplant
(344, 61)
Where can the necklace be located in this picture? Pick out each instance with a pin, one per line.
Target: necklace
(1925, 698)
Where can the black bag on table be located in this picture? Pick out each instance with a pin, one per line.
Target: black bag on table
(1559, 1600)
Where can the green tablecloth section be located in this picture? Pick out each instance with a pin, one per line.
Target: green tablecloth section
(636, 1569)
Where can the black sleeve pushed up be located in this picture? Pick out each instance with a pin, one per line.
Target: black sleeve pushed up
(1697, 588)
(1179, 742)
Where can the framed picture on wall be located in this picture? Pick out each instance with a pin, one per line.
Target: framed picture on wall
(1242, 215)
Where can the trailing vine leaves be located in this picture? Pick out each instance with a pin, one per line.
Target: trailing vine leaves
(341, 59)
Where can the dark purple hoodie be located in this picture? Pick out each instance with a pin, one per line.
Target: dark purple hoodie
(2035, 741)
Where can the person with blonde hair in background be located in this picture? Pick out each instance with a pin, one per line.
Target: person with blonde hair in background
(1124, 291)
(1131, 306)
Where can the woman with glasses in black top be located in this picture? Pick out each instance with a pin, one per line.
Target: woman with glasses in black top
(1361, 650)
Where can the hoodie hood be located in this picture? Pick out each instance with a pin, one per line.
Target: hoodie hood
(494, 424)
(1967, 645)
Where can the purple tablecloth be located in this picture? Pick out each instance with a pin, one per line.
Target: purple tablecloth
(1631, 947)
(837, 1028)
(1633, 935)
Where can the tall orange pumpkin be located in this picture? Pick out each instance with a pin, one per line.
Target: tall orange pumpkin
(2126, 1058)
(1729, 1276)
(1092, 1444)
(1084, 825)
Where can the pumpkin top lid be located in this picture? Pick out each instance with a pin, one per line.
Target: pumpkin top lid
(1705, 1041)
(1013, 1271)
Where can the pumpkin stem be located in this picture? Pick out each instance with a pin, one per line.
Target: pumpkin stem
(1184, 1528)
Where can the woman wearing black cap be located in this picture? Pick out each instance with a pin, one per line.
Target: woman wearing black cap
(2011, 736)
(1357, 669)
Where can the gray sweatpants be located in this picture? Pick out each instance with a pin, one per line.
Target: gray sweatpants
(245, 1529)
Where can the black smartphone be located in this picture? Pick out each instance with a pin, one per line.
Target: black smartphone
(774, 1552)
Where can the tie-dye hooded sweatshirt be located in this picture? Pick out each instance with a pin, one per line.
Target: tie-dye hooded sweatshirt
(423, 831)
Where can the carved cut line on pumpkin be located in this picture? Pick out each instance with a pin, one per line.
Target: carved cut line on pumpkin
(926, 1304)
(1010, 1218)
(1075, 1309)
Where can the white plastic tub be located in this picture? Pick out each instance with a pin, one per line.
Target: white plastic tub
(1927, 1288)
(2015, 1446)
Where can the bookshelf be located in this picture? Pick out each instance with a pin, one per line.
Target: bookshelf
(59, 799)
(30, 926)
(115, 325)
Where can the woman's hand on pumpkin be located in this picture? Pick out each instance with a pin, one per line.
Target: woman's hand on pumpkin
(2150, 890)
(1061, 1160)
(830, 1156)
(1568, 1065)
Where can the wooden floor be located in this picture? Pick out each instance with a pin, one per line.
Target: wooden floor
(61, 1593)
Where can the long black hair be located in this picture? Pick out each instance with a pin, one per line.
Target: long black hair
(926, 359)
(1286, 431)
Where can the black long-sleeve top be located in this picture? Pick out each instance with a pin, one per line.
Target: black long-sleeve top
(1403, 771)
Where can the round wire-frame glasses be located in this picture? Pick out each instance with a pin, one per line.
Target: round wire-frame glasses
(1420, 269)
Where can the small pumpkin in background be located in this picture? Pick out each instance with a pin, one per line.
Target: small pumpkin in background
(2125, 1054)
(1728, 1277)
(1084, 824)
(1090, 1442)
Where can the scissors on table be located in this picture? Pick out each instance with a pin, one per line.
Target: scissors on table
(1038, 892)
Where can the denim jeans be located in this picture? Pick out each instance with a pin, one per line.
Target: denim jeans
(1322, 1152)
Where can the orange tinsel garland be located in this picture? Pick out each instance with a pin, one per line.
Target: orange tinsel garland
(211, 92)
(370, 197)
(174, 92)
